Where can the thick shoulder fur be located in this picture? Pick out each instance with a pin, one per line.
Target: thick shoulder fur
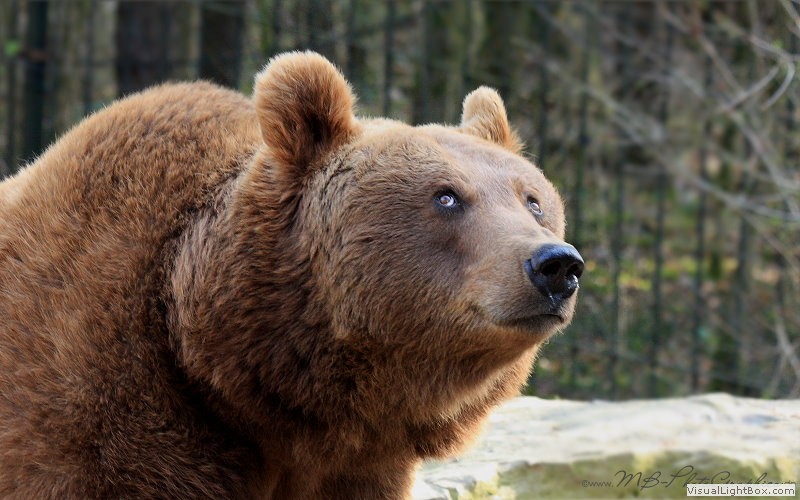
(92, 403)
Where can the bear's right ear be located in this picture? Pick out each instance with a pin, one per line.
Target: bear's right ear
(484, 115)
(305, 108)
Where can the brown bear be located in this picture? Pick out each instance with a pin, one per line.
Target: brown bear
(207, 297)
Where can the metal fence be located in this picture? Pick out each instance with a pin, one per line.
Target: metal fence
(669, 126)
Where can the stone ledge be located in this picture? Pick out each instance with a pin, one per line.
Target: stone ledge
(536, 448)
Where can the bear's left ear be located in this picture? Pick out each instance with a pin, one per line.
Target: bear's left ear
(484, 115)
(305, 108)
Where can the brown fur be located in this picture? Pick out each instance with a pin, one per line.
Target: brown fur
(201, 297)
(484, 115)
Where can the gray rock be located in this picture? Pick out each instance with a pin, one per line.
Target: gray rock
(536, 448)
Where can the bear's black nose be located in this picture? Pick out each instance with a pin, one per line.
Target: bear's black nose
(554, 271)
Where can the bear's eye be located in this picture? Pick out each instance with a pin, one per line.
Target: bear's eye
(447, 199)
(534, 207)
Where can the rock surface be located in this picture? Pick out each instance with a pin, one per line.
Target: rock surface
(536, 448)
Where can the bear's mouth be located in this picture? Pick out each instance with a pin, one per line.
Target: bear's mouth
(537, 322)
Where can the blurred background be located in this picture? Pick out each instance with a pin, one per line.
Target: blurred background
(670, 127)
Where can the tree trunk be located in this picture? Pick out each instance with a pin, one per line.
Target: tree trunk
(12, 58)
(35, 89)
(222, 27)
(142, 40)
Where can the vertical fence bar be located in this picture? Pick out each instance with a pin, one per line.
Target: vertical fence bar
(277, 26)
(139, 39)
(466, 63)
(388, 56)
(357, 69)
(616, 252)
(350, 41)
(615, 332)
(699, 310)
(544, 82)
(580, 165)
(320, 19)
(745, 245)
(782, 290)
(221, 40)
(725, 368)
(12, 58)
(164, 37)
(421, 112)
(439, 58)
(661, 195)
(742, 289)
(35, 78)
(497, 58)
(311, 22)
(88, 77)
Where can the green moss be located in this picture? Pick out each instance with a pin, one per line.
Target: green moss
(662, 475)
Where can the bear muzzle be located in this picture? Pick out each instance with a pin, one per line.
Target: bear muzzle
(555, 269)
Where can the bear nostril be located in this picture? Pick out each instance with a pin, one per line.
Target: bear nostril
(551, 268)
(576, 269)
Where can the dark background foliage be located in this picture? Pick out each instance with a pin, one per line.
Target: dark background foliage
(669, 126)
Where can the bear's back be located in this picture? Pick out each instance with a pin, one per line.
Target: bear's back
(84, 236)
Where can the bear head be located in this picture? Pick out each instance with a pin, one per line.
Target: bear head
(368, 267)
